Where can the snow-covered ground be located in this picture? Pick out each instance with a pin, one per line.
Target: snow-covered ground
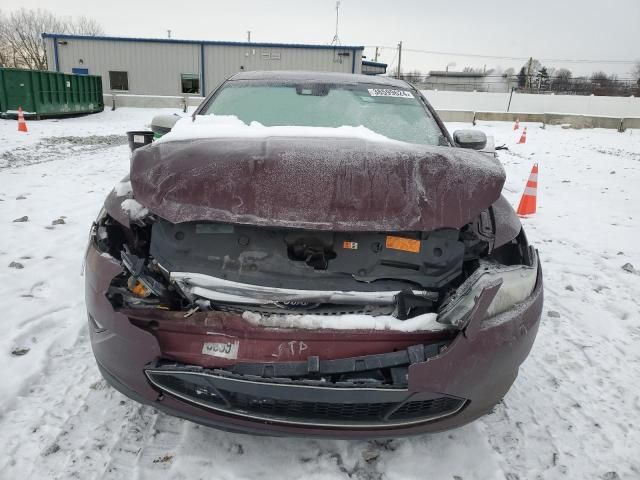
(573, 412)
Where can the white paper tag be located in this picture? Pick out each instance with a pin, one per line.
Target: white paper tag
(138, 138)
(222, 350)
(389, 92)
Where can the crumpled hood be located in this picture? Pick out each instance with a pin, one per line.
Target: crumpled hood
(348, 184)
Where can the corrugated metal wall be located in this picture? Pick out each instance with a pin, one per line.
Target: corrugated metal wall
(48, 49)
(222, 61)
(155, 68)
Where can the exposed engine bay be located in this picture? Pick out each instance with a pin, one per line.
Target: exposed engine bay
(203, 266)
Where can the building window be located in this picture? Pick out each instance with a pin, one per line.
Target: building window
(119, 80)
(271, 55)
(190, 83)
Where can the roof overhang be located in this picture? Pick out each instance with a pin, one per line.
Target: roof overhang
(61, 36)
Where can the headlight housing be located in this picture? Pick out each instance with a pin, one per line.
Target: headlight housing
(518, 282)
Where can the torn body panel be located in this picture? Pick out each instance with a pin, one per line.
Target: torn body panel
(185, 340)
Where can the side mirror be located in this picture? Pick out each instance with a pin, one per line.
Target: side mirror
(474, 139)
(162, 124)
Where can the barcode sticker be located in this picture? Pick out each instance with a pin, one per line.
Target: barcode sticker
(227, 350)
(389, 92)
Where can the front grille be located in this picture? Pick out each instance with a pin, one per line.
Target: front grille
(196, 390)
(426, 408)
(298, 404)
(308, 410)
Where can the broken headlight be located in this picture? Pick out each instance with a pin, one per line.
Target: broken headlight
(93, 232)
(517, 283)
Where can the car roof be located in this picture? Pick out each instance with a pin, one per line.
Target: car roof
(328, 77)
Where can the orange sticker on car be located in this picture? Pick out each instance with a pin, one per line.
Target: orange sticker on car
(350, 245)
(404, 244)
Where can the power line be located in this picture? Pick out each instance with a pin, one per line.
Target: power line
(499, 57)
(391, 63)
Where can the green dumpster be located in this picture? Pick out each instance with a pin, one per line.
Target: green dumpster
(48, 94)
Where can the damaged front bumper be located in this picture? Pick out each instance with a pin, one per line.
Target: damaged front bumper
(217, 369)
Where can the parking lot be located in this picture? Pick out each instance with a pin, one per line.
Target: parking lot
(572, 412)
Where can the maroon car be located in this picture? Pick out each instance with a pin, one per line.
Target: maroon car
(313, 254)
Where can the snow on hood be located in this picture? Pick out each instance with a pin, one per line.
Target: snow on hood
(301, 179)
(230, 126)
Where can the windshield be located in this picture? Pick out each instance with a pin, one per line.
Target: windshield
(393, 112)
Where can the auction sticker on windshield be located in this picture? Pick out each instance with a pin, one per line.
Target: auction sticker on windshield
(389, 92)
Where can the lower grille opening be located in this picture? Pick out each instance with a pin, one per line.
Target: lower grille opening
(351, 407)
(193, 388)
(426, 408)
(309, 410)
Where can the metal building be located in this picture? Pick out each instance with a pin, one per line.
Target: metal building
(373, 68)
(146, 66)
(458, 81)
(468, 81)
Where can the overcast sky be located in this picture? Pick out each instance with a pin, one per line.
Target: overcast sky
(545, 29)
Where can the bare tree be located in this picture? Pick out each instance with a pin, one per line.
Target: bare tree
(531, 69)
(4, 56)
(414, 76)
(603, 84)
(635, 71)
(85, 26)
(561, 80)
(563, 73)
(21, 34)
(21, 44)
(5, 52)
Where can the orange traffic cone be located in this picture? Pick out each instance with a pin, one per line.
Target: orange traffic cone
(523, 137)
(22, 125)
(516, 125)
(528, 201)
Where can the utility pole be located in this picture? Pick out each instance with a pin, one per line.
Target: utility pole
(336, 40)
(375, 58)
(529, 73)
(168, 33)
(399, 58)
(248, 36)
